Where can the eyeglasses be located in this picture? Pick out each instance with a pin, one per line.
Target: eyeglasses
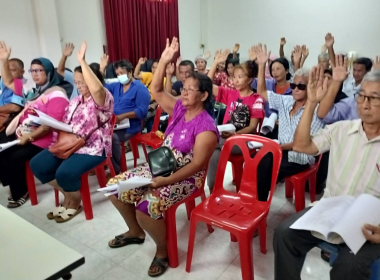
(360, 98)
(80, 84)
(36, 71)
(188, 90)
(299, 86)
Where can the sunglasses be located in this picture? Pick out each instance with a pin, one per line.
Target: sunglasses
(299, 86)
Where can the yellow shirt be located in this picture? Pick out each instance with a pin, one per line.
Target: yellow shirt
(147, 78)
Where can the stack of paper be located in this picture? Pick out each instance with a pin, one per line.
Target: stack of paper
(122, 186)
(268, 124)
(7, 145)
(122, 125)
(35, 120)
(53, 123)
(226, 128)
(258, 145)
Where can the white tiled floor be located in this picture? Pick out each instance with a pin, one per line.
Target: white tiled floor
(215, 257)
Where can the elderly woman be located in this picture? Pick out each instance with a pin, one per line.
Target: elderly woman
(90, 115)
(192, 136)
(45, 97)
(323, 59)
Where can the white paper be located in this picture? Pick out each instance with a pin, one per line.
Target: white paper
(7, 145)
(34, 119)
(122, 125)
(133, 183)
(53, 123)
(257, 145)
(226, 128)
(109, 188)
(164, 118)
(268, 124)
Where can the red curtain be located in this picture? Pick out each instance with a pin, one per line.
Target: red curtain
(139, 28)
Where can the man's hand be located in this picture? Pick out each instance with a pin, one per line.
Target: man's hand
(179, 60)
(170, 69)
(329, 40)
(317, 86)
(104, 61)
(170, 50)
(283, 41)
(220, 56)
(82, 52)
(119, 118)
(340, 71)
(262, 54)
(142, 60)
(376, 63)
(227, 134)
(5, 52)
(68, 50)
(297, 53)
(236, 48)
(159, 182)
(323, 48)
(372, 233)
(305, 51)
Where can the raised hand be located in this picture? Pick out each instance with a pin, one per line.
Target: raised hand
(142, 60)
(283, 41)
(252, 53)
(221, 56)
(68, 49)
(179, 60)
(323, 48)
(104, 61)
(262, 54)
(372, 233)
(207, 55)
(317, 86)
(329, 40)
(305, 51)
(82, 52)
(376, 63)
(170, 50)
(297, 53)
(170, 69)
(339, 71)
(236, 48)
(5, 52)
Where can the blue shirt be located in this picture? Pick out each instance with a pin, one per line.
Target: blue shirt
(271, 86)
(69, 77)
(135, 99)
(7, 96)
(177, 87)
(346, 109)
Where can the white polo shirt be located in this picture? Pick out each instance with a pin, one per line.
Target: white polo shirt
(349, 86)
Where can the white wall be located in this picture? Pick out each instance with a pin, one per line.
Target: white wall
(355, 25)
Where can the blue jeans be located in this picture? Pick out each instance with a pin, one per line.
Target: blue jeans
(47, 167)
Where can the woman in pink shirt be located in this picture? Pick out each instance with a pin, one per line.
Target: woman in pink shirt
(245, 109)
(45, 97)
(90, 116)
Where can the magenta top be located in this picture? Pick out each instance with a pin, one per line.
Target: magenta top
(185, 133)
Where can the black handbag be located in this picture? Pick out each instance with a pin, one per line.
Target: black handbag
(162, 162)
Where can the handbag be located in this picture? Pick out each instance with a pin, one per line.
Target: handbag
(162, 162)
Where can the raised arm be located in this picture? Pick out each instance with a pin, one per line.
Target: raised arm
(103, 63)
(282, 44)
(340, 73)
(179, 60)
(329, 43)
(163, 98)
(262, 58)
(67, 51)
(316, 90)
(219, 58)
(6, 74)
(170, 69)
(137, 73)
(95, 87)
(305, 54)
(235, 50)
(297, 54)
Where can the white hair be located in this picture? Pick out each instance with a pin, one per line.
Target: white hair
(303, 72)
(323, 56)
(373, 76)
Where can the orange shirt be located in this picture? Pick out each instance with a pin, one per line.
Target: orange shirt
(282, 90)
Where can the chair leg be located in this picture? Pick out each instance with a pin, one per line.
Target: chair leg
(312, 186)
(86, 197)
(263, 236)
(246, 257)
(203, 198)
(123, 159)
(101, 175)
(190, 248)
(171, 237)
(288, 188)
(110, 167)
(135, 151)
(145, 152)
(238, 171)
(233, 238)
(56, 195)
(190, 205)
(31, 185)
(299, 195)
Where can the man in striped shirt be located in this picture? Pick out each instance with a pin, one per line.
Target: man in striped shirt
(354, 168)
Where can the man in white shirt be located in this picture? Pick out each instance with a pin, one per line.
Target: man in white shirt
(353, 82)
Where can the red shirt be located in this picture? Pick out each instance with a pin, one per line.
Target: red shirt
(281, 90)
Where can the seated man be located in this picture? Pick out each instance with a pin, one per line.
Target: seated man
(290, 109)
(185, 68)
(354, 169)
(10, 103)
(132, 100)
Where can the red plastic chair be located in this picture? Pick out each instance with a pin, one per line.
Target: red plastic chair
(240, 214)
(135, 153)
(298, 181)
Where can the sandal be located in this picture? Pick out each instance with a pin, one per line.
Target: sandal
(68, 214)
(56, 212)
(121, 241)
(325, 256)
(10, 198)
(19, 202)
(162, 264)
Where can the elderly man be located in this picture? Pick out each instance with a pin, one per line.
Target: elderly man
(354, 169)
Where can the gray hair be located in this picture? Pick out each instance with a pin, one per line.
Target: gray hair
(323, 56)
(303, 72)
(373, 76)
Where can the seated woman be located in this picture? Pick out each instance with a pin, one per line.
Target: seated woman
(192, 136)
(245, 109)
(90, 116)
(47, 98)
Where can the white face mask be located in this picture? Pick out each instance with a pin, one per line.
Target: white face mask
(123, 79)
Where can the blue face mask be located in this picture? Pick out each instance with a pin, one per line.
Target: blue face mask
(123, 79)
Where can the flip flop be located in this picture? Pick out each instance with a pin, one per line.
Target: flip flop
(68, 214)
(56, 211)
(162, 264)
(121, 241)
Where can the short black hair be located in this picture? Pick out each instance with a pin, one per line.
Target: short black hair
(126, 64)
(36, 61)
(367, 62)
(18, 61)
(155, 61)
(94, 69)
(284, 63)
(188, 63)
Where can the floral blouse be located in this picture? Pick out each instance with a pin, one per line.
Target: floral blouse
(221, 79)
(85, 117)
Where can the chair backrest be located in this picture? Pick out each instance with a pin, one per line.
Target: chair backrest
(248, 185)
(156, 121)
(260, 124)
(113, 122)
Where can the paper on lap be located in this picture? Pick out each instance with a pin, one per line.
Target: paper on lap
(122, 186)
(53, 123)
(226, 128)
(122, 125)
(257, 145)
(340, 219)
(7, 145)
(269, 124)
(34, 119)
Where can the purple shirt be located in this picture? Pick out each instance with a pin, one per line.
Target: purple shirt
(346, 109)
(185, 133)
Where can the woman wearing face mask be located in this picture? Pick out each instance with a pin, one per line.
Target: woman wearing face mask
(45, 97)
(245, 109)
(132, 101)
(90, 116)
